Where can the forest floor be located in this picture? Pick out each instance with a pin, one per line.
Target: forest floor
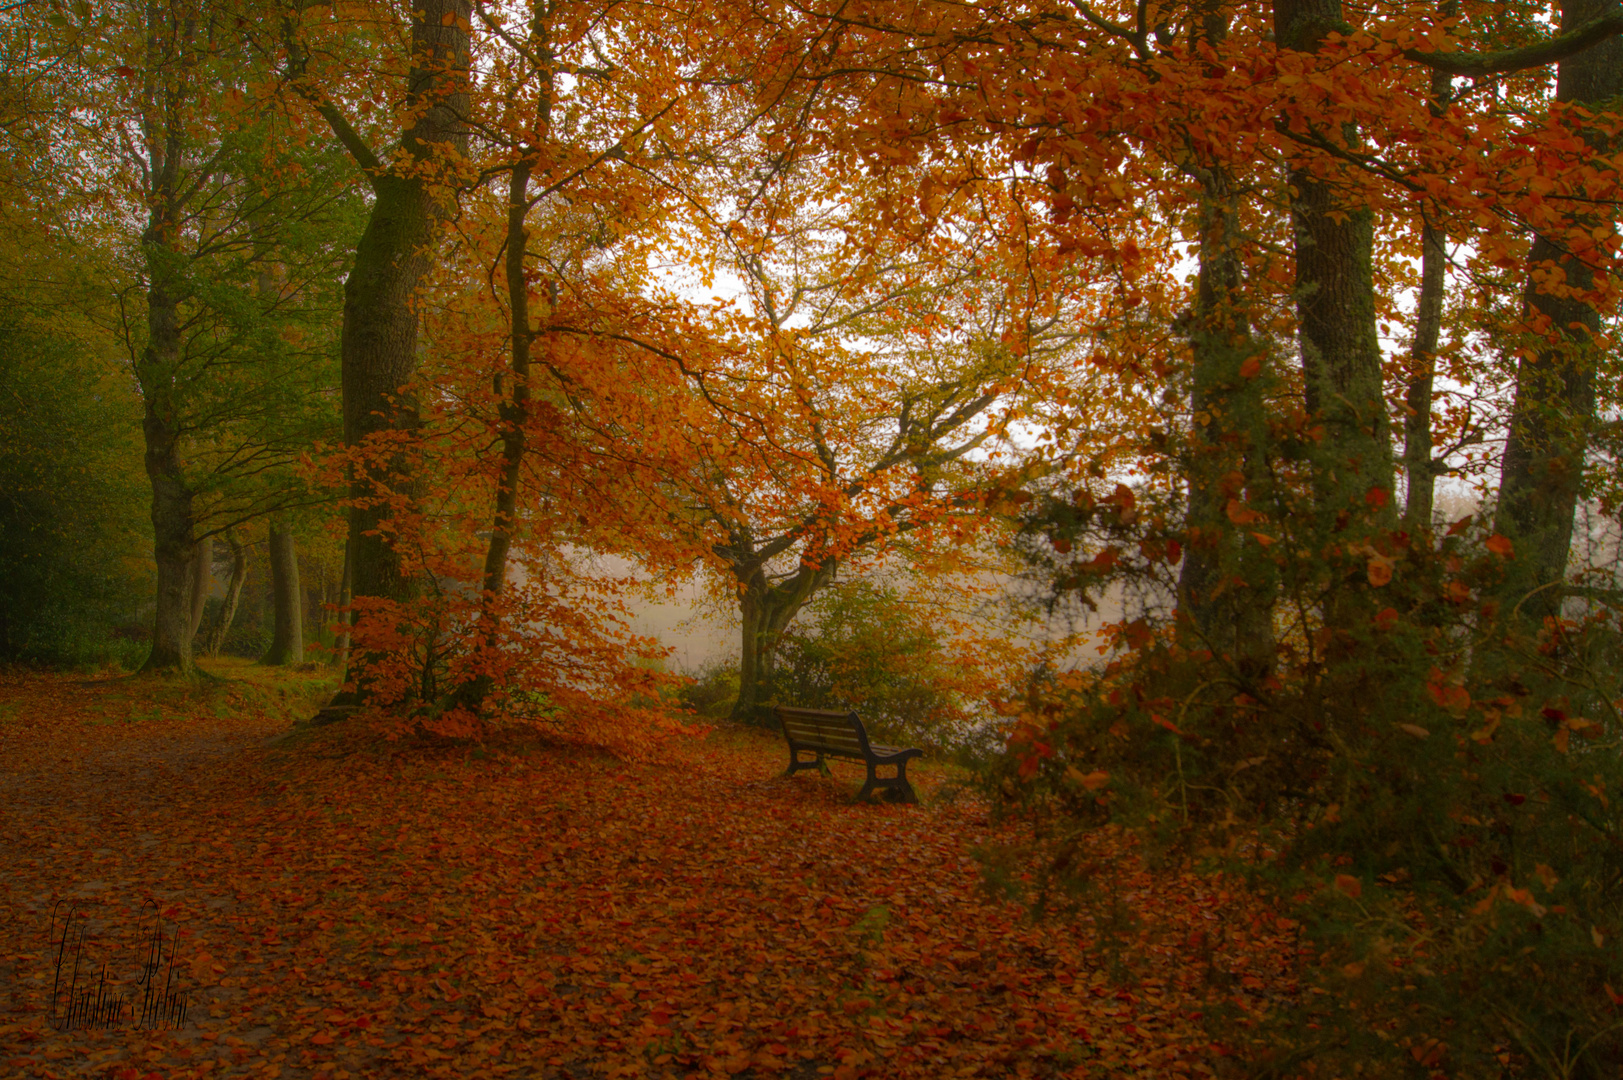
(354, 908)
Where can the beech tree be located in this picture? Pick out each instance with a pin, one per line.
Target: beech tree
(1542, 470)
(411, 172)
(175, 136)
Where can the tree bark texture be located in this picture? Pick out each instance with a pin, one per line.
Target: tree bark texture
(287, 599)
(1225, 585)
(202, 582)
(766, 611)
(156, 371)
(379, 334)
(515, 409)
(378, 346)
(1543, 463)
(1335, 305)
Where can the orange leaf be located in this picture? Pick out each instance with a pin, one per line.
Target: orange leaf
(1501, 546)
(1092, 781)
(1241, 514)
(1350, 885)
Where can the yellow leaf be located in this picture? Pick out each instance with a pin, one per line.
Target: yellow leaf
(1416, 730)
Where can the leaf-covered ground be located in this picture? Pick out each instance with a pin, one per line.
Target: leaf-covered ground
(349, 908)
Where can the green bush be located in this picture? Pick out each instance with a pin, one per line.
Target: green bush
(713, 690)
(862, 646)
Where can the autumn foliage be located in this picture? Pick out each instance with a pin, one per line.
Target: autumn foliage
(1277, 336)
(525, 918)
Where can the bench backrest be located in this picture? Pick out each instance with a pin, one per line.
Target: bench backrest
(838, 731)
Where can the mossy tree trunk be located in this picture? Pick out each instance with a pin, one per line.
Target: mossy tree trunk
(1225, 585)
(1543, 464)
(378, 340)
(766, 609)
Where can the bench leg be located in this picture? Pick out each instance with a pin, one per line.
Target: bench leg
(896, 788)
(795, 764)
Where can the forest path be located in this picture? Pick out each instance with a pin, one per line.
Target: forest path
(349, 908)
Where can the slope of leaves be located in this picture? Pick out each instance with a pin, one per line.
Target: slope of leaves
(347, 910)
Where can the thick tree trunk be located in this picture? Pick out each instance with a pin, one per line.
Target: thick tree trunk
(1543, 462)
(172, 513)
(1225, 589)
(1353, 474)
(341, 639)
(379, 358)
(1335, 305)
(171, 548)
(233, 595)
(287, 641)
(1226, 583)
(766, 610)
(515, 411)
(378, 346)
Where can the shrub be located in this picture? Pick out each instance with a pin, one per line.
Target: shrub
(713, 689)
(862, 646)
(1427, 783)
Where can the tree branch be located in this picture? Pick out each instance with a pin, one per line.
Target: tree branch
(297, 60)
(1476, 65)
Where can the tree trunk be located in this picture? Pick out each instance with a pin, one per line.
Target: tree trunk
(199, 585)
(1225, 590)
(1335, 307)
(1352, 470)
(766, 611)
(1226, 583)
(378, 340)
(233, 595)
(1420, 472)
(1543, 462)
(171, 547)
(172, 513)
(287, 641)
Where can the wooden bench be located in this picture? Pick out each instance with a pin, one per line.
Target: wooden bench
(831, 733)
